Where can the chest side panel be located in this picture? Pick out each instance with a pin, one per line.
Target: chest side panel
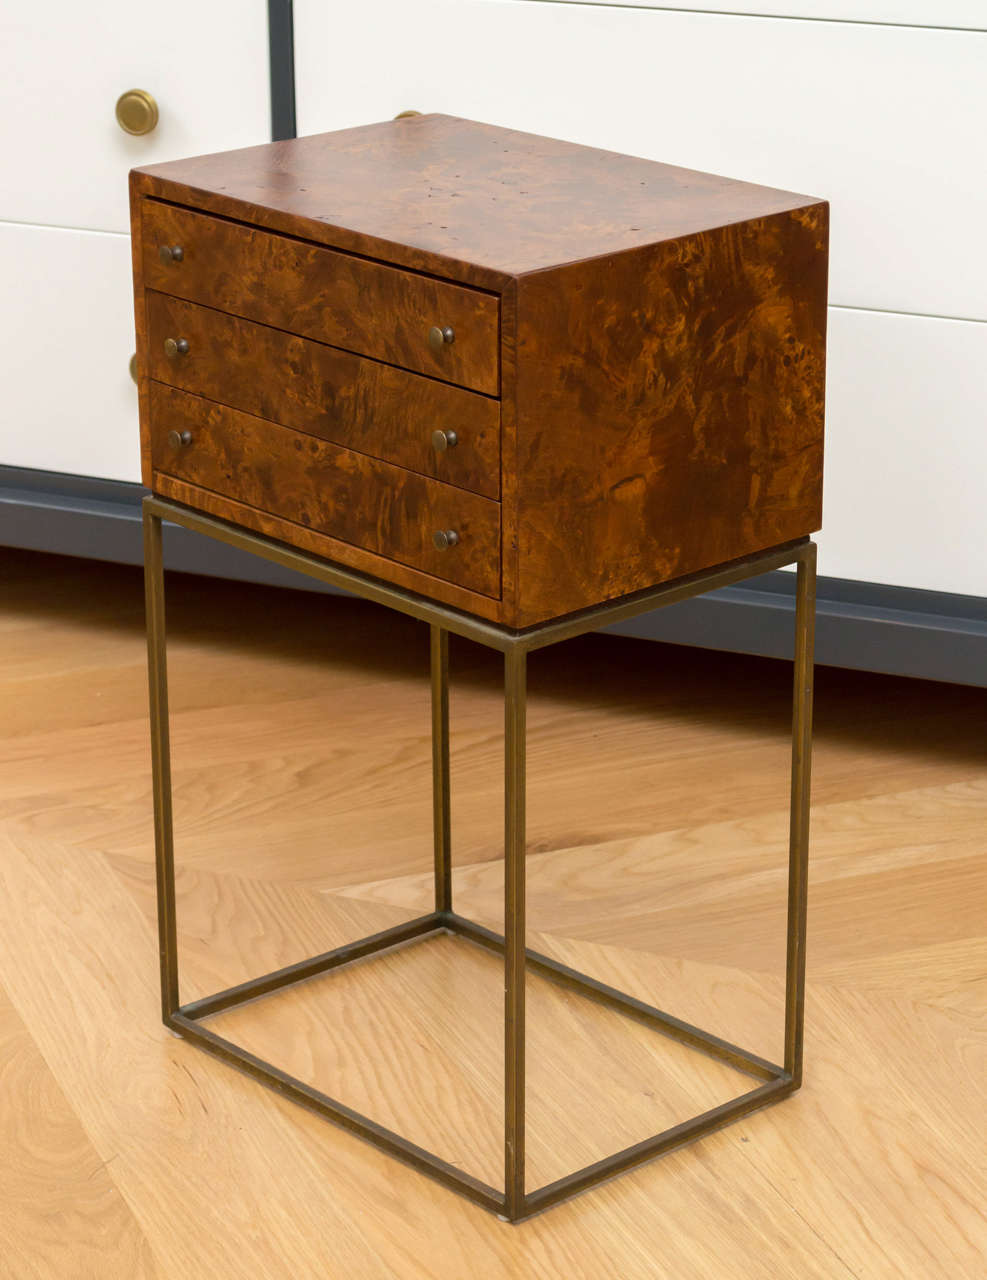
(670, 409)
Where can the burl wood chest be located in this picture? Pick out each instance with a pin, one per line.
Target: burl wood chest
(511, 374)
(516, 389)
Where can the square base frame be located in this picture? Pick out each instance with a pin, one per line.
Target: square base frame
(514, 1203)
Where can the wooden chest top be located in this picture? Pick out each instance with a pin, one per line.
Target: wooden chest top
(512, 373)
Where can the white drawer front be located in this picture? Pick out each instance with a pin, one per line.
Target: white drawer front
(67, 335)
(923, 13)
(906, 452)
(886, 122)
(64, 64)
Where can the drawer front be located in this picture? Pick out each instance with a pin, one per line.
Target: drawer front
(906, 452)
(320, 486)
(360, 404)
(69, 402)
(365, 307)
(62, 67)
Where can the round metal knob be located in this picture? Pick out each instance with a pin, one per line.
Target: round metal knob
(437, 338)
(445, 538)
(406, 115)
(133, 366)
(177, 439)
(175, 347)
(171, 253)
(442, 440)
(136, 111)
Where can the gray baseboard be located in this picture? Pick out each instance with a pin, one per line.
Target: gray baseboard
(101, 520)
(866, 626)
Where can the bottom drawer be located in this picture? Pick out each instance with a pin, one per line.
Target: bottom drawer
(347, 495)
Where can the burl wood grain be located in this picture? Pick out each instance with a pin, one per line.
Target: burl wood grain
(658, 334)
(366, 307)
(318, 486)
(347, 399)
(459, 198)
(669, 410)
(324, 544)
(140, 331)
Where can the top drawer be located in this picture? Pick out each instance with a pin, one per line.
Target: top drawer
(337, 298)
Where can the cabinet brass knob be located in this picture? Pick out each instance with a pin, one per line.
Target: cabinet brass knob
(171, 253)
(136, 111)
(178, 439)
(406, 115)
(437, 338)
(133, 366)
(445, 538)
(175, 347)
(442, 440)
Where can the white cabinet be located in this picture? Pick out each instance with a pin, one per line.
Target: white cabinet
(67, 314)
(884, 120)
(69, 403)
(876, 104)
(906, 452)
(64, 63)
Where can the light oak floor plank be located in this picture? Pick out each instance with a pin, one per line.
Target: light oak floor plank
(657, 853)
(60, 1211)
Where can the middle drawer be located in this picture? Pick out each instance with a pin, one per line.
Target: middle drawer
(427, 426)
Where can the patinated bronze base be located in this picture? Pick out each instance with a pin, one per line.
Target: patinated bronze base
(514, 1202)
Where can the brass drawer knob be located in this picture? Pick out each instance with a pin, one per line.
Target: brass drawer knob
(171, 253)
(442, 440)
(136, 111)
(445, 538)
(175, 347)
(179, 439)
(438, 338)
(133, 366)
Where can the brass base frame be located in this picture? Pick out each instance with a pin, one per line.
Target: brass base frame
(514, 1203)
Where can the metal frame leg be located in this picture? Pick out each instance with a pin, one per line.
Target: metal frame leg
(515, 703)
(441, 796)
(772, 1082)
(164, 847)
(798, 855)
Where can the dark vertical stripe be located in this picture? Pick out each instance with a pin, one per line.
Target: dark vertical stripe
(281, 43)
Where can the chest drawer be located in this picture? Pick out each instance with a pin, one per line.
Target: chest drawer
(361, 404)
(444, 330)
(334, 491)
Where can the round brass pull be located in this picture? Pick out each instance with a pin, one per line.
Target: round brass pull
(178, 439)
(171, 253)
(175, 347)
(438, 338)
(136, 111)
(445, 538)
(406, 115)
(442, 440)
(133, 366)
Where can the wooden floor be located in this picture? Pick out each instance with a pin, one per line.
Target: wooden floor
(657, 825)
